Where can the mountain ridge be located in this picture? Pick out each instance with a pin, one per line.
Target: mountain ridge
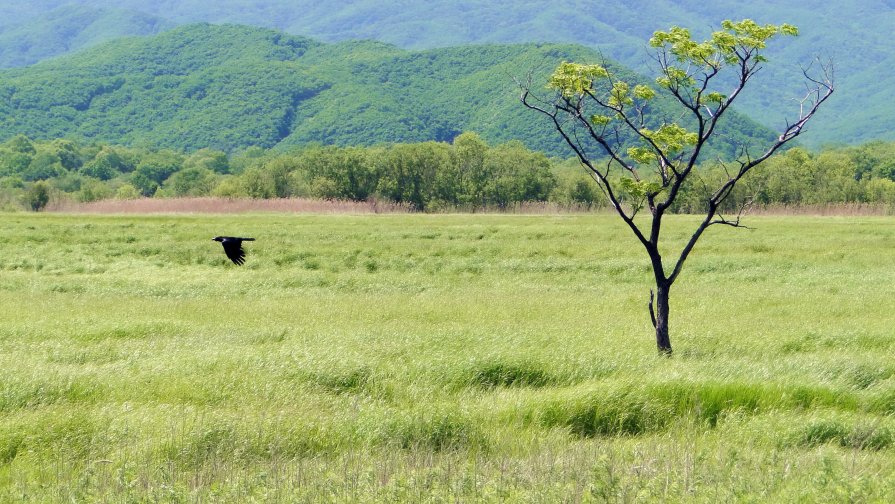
(854, 33)
(232, 86)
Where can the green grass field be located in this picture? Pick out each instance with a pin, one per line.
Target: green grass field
(442, 358)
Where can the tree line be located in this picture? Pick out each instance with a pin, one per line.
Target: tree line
(466, 174)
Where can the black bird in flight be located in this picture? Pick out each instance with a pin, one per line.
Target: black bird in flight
(233, 248)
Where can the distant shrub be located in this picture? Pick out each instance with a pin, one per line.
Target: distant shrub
(93, 190)
(37, 196)
(190, 182)
(127, 192)
(230, 187)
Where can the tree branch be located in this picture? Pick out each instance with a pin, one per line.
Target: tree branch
(582, 157)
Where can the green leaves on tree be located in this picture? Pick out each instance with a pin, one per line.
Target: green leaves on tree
(670, 138)
(638, 190)
(574, 79)
(735, 42)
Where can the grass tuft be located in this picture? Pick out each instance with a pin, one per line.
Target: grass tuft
(500, 373)
(883, 402)
(859, 437)
(617, 413)
(10, 445)
(435, 431)
(345, 381)
(22, 394)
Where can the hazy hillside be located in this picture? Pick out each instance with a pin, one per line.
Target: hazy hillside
(856, 33)
(228, 87)
(71, 28)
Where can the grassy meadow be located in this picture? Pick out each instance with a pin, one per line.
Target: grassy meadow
(442, 358)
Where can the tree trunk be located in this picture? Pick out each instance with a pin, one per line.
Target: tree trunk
(660, 319)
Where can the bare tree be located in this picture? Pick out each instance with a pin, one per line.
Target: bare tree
(598, 115)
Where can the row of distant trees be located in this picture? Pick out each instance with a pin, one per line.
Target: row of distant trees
(466, 174)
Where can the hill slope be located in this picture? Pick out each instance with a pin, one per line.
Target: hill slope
(230, 87)
(71, 28)
(855, 33)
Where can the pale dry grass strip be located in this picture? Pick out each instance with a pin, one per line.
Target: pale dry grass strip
(227, 205)
(321, 206)
(824, 209)
(292, 205)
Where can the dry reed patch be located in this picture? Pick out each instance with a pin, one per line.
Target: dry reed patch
(320, 206)
(227, 205)
(295, 205)
(824, 209)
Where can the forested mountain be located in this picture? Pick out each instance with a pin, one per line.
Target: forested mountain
(229, 87)
(855, 33)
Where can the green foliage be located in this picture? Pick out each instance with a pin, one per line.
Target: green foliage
(224, 89)
(466, 174)
(670, 138)
(127, 192)
(640, 189)
(339, 173)
(42, 166)
(737, 42)
(106, 164)
(516, 174)
(154, 168)
(464, 180)
(37, 196)
(274, 178)
(94, 190)
(209, 159)
(737, 37)
(574, 79)
(194, 181)
(178, 89)
(20, 144)
(67, 152)
(12, 162)
(686, 68)
(407, 172)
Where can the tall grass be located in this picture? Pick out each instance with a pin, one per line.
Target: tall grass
(441, 357)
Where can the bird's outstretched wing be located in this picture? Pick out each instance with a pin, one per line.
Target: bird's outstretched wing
(234, 251)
